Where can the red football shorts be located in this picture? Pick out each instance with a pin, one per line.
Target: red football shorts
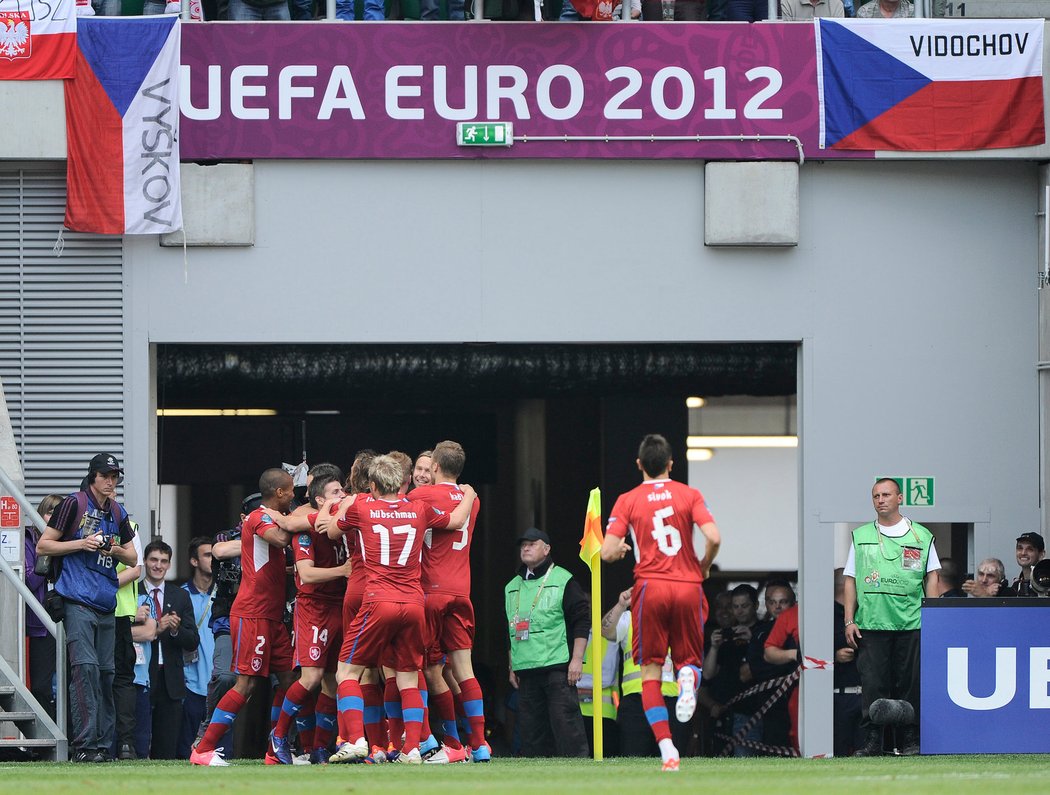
(391, 632)
(449, 625)
(668, 615)
(261, 646)
(318, 633)
(352, 603)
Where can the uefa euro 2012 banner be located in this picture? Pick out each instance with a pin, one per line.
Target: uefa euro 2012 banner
(833, 88)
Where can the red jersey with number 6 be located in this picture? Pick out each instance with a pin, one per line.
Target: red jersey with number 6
(391, 537)
(663, 518)
(446, 553)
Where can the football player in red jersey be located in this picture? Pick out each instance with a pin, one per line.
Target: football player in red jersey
(321, 570)
(667, 521)
(260, 640)
(448, 609)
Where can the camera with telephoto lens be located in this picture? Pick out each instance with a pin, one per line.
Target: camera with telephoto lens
(228, 569)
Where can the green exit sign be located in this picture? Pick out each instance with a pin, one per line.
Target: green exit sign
(917, 490)
(489, 133)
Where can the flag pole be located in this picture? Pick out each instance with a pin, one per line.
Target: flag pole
(590, 545)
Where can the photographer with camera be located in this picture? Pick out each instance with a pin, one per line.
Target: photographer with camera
(90, 531)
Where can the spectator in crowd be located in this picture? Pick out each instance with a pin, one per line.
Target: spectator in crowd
(776, 723)
(91, 532)
(783, 651)
(847, 701)
(197, 664)
(636, 737)
(990, 580)
(124, 655)
(40, 665)
(1030, 550)
(949, 581)
(892, 563)
(808, 10)
(727, 673)
(259, 10)
(176, 635)
(547, 618)
(746, 10)
(886, 9)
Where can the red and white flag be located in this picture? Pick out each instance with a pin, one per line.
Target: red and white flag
(38, 40)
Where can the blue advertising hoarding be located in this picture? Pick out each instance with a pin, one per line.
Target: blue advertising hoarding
(985, 676)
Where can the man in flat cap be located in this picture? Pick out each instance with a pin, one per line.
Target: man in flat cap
(547, 621)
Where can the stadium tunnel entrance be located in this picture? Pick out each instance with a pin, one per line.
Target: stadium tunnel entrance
(542, 424)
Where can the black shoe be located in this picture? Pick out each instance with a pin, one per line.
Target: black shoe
(101, 756)
(910, 741)
(872, 745)
(126, 753)
(83, 756)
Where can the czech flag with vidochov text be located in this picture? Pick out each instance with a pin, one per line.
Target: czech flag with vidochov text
(122, 127)
(38, 41)
(930, 85)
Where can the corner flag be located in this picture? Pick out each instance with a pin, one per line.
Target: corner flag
(590, 545)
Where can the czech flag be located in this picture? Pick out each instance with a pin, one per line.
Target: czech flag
(122, 127)
(930, 85)
(38, 41)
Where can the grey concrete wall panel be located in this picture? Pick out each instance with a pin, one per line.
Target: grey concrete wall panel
(751, 204)
(218, 206)
(34, 113)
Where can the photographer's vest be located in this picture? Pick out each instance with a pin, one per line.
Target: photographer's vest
(128, 593)
(889, 576)
(585, 687)
(90, 578)
(538, 601)
(631, 680)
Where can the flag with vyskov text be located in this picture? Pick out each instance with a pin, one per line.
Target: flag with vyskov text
(122, 127)
(930, 85)
(38, 40)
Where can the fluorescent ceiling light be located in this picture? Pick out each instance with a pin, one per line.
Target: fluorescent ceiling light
(216, 412)
(699, 454)
(715, 442)
(694, 402)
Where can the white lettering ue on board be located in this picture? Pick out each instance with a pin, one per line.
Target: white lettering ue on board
(1005, 679)
(158, 140)
(942, 46)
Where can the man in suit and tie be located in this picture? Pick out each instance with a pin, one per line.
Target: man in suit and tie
(176, 635)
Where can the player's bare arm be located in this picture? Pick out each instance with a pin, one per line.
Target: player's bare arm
(614, 548)
(276, 537)
(328, 522)
(712, 542)
(462, 513)
(309, 573)
(292, 523)
(224, 550)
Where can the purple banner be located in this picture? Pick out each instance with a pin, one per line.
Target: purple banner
(398, 89)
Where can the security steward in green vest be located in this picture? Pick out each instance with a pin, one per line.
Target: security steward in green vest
(892, 564)
(636, 737)
(547, 622)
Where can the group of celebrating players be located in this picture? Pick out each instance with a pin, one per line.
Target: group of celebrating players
(365, 638)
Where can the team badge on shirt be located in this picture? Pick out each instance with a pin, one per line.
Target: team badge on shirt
(304, 539)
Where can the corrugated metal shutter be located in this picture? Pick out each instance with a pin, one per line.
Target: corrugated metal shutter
(61, 332)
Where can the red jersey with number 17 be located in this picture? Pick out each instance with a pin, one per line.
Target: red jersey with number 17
(446, 553)
(663, 518)
(391, 537)
(262, 590)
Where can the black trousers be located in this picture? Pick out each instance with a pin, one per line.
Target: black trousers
(124, 683)
(167, 718)
(888, 663)
(549, 715)
(42, 671)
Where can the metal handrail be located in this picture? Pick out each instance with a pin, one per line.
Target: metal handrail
(55, 628)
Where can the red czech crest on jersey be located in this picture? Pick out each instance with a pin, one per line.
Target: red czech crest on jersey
(15, 35)
(315, 653)
(256, 663)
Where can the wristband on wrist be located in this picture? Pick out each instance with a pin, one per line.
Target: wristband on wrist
(851, 621)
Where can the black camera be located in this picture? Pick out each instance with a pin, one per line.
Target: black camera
(107, 544)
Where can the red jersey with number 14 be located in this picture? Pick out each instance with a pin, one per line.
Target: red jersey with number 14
(262, 590)
(324, 553)
(663, 518)
(446, 553)
(391, 537)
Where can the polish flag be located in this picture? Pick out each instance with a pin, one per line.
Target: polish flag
(38, 40)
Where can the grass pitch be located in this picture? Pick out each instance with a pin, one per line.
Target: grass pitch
(890, 775)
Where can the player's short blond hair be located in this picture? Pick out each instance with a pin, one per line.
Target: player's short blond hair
(405, 461)
(387, 473)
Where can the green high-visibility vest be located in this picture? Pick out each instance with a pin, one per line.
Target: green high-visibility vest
(889, 574)
(539, 601)
(587, 694)
(631, 679)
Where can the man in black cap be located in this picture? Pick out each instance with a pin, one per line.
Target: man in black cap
(547, 618)
(1030, 550)
(90, 531)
